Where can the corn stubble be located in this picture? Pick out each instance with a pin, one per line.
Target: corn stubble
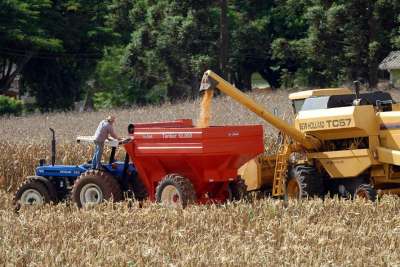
(260, 233)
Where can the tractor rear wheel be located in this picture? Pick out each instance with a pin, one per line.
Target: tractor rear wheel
(304, 181)
(139, 189)
(175, 191)
(93, 187)
(31, 192)
(237, 190)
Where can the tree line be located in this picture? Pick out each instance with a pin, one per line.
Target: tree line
(124, 52)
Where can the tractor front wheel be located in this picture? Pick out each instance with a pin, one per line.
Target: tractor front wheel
(175, 191)
(93, 187)
(31, 192)
(304, 181)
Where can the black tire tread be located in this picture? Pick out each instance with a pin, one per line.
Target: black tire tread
(311, 182)
(50, 187)
(109, 185)
(368, 189)
(27, 184)
(238, 189)
(183, 185)
(139, 189)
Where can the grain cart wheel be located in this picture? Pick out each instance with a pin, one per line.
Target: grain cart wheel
(237, 190)
(304, 181)
(31, 192)
(366, 192)
(175, 191)
(93, 187)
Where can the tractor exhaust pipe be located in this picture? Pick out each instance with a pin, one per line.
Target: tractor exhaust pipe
(357, 101)
(53, 147)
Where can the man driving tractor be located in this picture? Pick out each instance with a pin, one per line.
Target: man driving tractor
(104, 131)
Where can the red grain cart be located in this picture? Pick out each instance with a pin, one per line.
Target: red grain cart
(180, 164)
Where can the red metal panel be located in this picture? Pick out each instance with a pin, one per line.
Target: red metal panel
(166, 124)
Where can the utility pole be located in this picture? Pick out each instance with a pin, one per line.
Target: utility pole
(223, 38)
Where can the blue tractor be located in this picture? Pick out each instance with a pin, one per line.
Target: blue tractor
(83, 185)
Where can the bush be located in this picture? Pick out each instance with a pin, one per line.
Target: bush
(10, 106)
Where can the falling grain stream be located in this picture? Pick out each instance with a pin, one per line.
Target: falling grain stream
(205, 109)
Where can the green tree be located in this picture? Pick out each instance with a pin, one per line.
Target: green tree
(172, 44)
(57, 79)
(22, 34)
(10, 106)
(347, 39)
(114, 86)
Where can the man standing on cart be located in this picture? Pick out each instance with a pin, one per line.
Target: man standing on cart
(104, 131)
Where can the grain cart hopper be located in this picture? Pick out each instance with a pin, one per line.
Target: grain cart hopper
(186, 165)
(341, 143)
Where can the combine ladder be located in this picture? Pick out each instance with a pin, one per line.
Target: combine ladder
(281, 167)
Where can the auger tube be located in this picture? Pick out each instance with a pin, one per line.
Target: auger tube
(211, 81)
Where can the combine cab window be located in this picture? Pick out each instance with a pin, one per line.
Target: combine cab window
(297, 105)
(316, 103)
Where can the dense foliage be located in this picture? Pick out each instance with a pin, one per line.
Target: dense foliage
(54, 45)
(146, 51)
(10, 106)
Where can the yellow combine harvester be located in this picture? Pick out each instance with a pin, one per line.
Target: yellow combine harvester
(342, 143)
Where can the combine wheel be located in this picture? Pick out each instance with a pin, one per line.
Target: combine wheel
(237, 190)
(304, 181)
(366, 192)
(31, 192)
(175, 191)
(93, 187)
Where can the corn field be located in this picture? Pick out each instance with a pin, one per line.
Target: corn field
(261, 232)
(26, 140)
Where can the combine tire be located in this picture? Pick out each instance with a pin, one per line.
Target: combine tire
(32, 192)
(366, 192)
(237, 190)
(303, 182)
(175, 191)
(93, 187)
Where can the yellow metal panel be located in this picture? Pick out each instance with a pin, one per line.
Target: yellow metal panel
(338, 123)
(389, 156)
(251, 174)
(344, 163)
(389, 123)
(396, 107)
(267, 169)
(319, 92)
